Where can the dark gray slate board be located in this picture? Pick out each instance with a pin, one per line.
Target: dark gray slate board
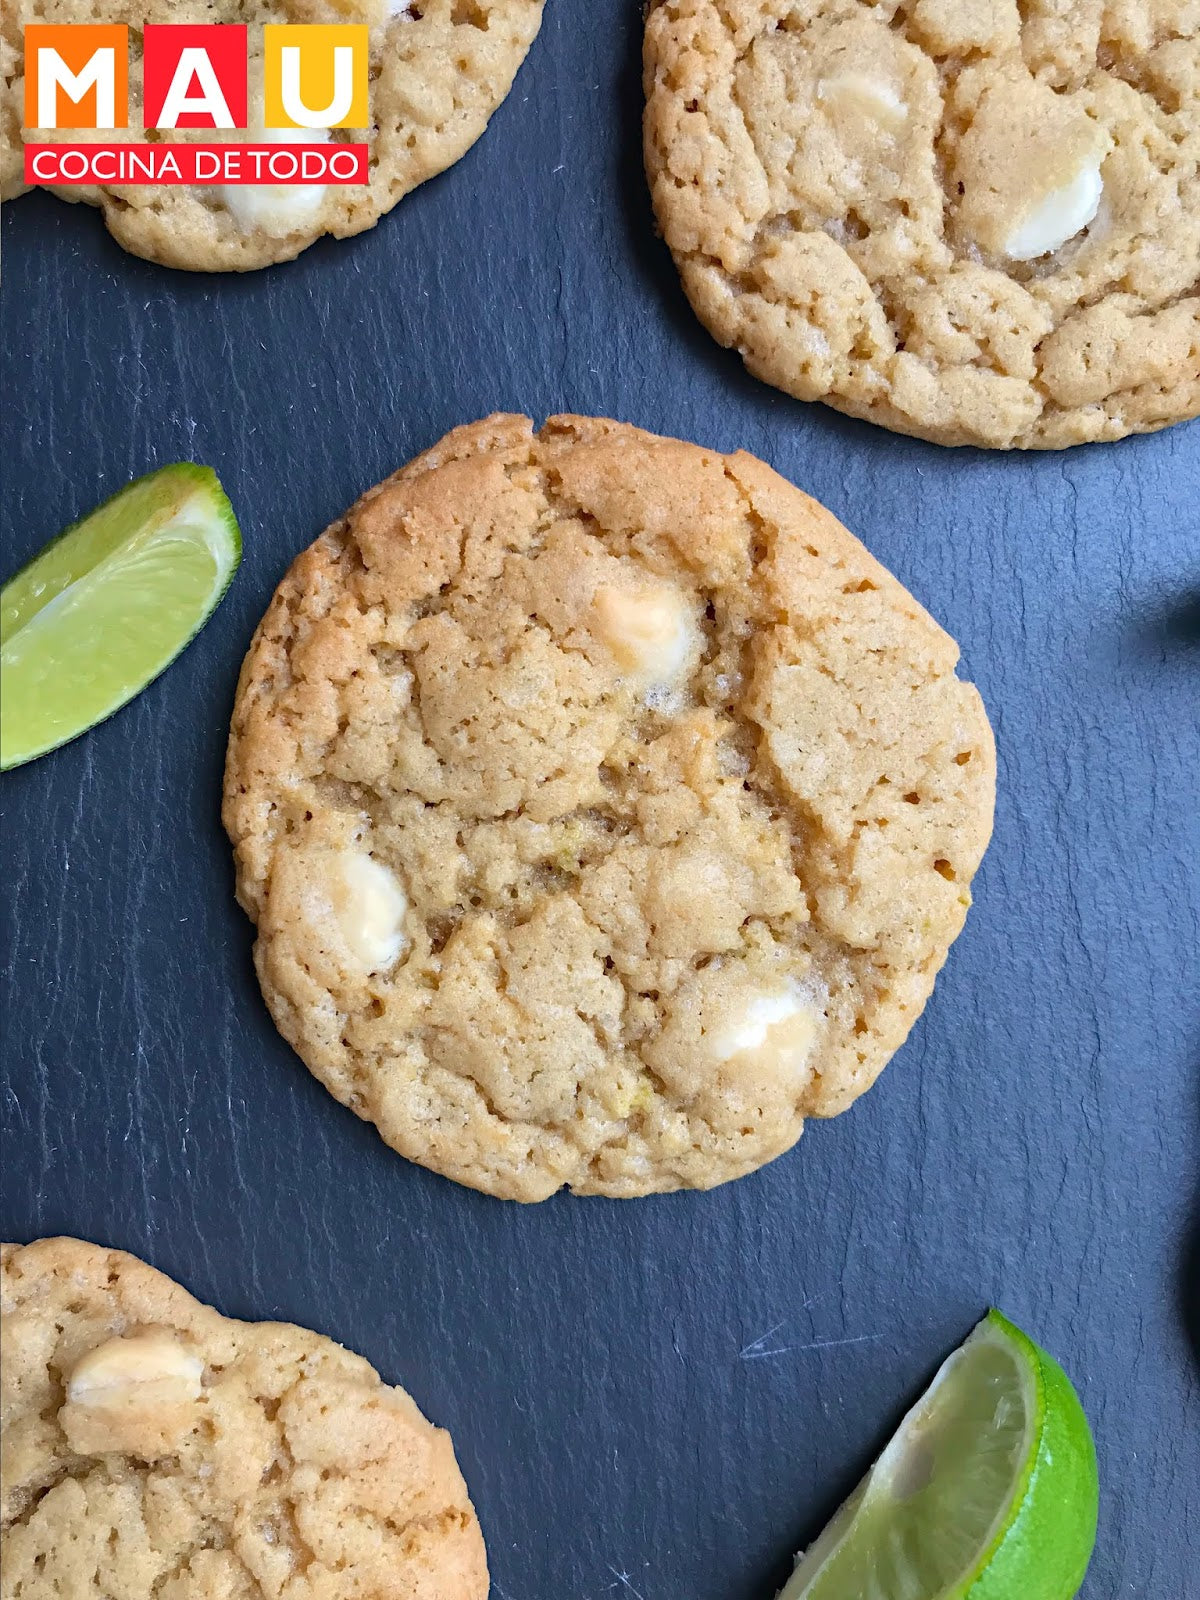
(658, 1399)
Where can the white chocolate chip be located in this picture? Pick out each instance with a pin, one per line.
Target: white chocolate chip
(369, 905)
(135, 1372)
(770, 1026)
(867, 96)
(277, 209)
(647, 629)
(1057, 217)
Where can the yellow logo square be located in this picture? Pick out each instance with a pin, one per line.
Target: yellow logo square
(315, 75)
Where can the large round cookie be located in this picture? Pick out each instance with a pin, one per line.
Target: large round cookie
(604, 809)
(152, 1447)
(438, 70)
(976, 222)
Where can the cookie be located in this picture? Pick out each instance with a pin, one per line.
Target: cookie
(438, 70)
(154, 1447)
(603, 807)
(976, 221)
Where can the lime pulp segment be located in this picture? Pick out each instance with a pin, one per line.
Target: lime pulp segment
(988, 1489)
(105, 607)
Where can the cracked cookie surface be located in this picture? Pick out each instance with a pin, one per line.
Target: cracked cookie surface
(439, 68)
(154, 1447)
(603, 807)
(976, 221)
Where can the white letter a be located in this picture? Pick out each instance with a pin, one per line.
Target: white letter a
(194, 63)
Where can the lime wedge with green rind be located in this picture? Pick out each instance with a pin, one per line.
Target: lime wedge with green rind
(106, 606)
(988, 1489)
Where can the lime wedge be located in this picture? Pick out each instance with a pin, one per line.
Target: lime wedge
(987, 1490)
(99, 613)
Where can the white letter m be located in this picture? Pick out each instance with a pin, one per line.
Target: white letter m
(99, 73)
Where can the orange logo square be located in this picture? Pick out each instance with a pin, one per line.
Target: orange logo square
(76, 75)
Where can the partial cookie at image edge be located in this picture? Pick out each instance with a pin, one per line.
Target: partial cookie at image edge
(438, 72)
(158, 1448)
(839, 185)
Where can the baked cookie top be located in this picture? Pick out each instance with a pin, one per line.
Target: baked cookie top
(154, 1447)
(977, 221)
(604, 809)
(439, 68)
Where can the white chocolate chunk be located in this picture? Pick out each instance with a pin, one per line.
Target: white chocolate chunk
(647, 629)
(867, 96)
(1059, 216)
(277, 209)
(775, 1028)
(369, 905)
(140, 1370)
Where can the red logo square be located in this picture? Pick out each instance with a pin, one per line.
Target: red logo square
(194, 75)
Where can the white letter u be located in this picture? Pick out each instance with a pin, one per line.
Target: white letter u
(343, 88)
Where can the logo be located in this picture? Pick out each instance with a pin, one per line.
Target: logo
(195, 76)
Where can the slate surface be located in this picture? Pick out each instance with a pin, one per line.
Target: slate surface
(653, 1399)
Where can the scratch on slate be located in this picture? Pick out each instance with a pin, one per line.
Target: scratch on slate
(755, 1348)
(623, 1580)
(759, 1350)
(836, 1344)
